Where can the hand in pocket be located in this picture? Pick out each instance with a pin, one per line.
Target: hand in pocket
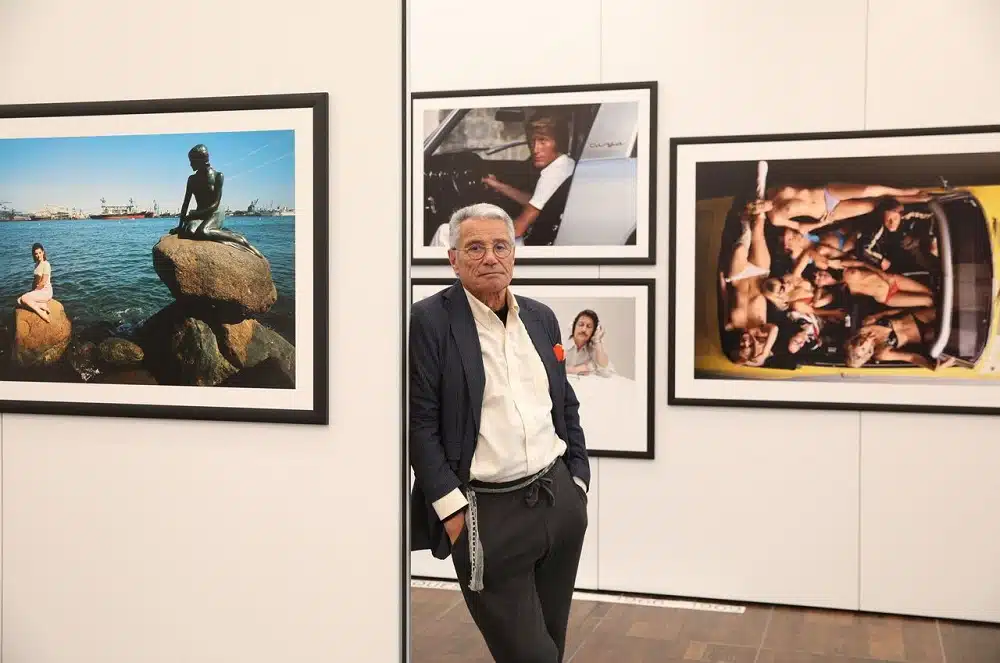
(454, 526)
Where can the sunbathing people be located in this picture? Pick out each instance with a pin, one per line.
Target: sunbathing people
(749, 266)
(812, 249)
(883, 336)
(826, 205)
(756, 345)
(868, 280)
(829, 242)
(794, 294)
(849, 251)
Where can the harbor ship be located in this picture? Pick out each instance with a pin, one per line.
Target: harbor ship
(129, 211)
(8, 213)
(254, 210)
(47, 213)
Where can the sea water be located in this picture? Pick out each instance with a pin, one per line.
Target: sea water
(102, 270)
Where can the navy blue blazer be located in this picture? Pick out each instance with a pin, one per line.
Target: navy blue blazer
(447, 380)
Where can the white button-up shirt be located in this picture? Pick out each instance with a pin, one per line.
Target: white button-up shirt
(516, 435)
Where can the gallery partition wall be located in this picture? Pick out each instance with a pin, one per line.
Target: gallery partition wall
(597, 197)
(193, 407)
(820, 385)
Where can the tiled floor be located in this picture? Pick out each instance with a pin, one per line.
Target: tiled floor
(602, 632)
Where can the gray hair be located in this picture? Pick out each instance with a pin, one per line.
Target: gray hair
(477, 211)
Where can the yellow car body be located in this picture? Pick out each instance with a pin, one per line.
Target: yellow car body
(711, 360)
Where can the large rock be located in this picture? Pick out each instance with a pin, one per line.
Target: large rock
(180, 349)
(272, 373)
(248, 343)
(119, 352)
(230, 281)
(82, 356)
(259, 353)
(195, 353)
(40, 343)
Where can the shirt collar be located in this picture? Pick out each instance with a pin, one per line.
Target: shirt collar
(483, 314)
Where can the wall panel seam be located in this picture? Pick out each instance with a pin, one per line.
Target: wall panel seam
(861, 442)
(864, 117)
(861, 439)
(600, 41)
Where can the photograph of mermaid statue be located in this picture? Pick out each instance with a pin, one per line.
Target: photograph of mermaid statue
(192, 286)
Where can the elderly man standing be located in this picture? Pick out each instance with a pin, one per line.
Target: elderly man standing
(496, 447)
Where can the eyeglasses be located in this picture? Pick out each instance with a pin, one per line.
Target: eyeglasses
(477, 250)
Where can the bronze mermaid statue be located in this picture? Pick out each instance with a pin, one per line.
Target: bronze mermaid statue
(205, 221)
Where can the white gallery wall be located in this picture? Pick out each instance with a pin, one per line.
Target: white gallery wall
(881, 512)
(164, 541)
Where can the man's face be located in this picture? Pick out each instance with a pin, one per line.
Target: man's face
(749, 348)
(543, 150)
(752, 343)
(797, 342)
(475, 259)
(893, 218)
(583, 330)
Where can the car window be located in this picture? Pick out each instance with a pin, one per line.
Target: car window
(479, 130)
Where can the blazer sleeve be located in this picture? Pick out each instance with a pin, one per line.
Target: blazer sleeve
(579, 464)
(427, 457)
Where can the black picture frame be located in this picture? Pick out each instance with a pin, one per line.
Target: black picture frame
(960, 238)
(311, 406)
(642, 364)
(629, 181)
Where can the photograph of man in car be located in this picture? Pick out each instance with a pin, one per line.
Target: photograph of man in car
(548, 138)
(568, 174)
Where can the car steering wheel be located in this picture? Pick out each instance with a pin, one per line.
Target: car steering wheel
(450, 182)
(467, 171)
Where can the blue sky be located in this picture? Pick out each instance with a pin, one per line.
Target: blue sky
(78, 172)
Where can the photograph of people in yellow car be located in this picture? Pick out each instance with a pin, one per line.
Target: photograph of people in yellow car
(841, 271)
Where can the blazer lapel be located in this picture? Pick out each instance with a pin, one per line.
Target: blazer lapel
(463, 330)
(543, 345)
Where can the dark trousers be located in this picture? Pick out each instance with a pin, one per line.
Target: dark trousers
(531, 540)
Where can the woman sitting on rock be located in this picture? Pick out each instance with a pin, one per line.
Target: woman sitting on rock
(38, 298)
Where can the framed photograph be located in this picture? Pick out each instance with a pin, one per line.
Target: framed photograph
(575, 167)
(166, 258)
(607, 329)
(837, 271)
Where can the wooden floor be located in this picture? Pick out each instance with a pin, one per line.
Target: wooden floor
(602, 632)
